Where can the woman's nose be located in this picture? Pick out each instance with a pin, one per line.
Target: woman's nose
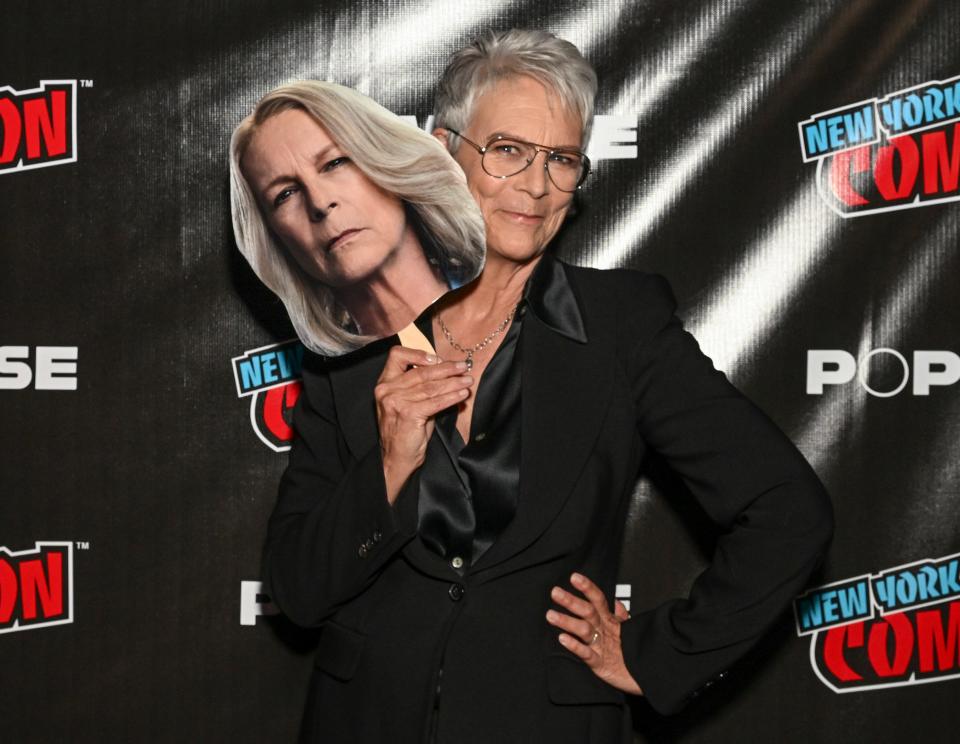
(319, 202)
(534, 178)
(318, 213)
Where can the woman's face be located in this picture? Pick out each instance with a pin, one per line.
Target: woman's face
(338, 225)
(524, 212)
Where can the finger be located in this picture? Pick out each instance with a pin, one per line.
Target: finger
(620, 612)
(573, 625)
(434, 388)
(573, 603)
(587, 654)
(399, 358)
(592, 592)
(427, 409)
(420, 405)
(420, 375)
(396, 394)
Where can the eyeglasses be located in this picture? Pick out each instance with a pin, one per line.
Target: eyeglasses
(503, 157)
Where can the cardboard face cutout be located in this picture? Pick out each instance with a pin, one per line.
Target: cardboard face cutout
(357, 220)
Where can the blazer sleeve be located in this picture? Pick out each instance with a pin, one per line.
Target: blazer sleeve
(332, 530)
(774, 514)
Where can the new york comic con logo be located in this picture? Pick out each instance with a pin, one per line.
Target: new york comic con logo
(38, 127)
(898, 627)
(890, 153)
(36, 586)
(270, 377)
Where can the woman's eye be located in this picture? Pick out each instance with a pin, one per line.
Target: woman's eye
(336, 163)
(282, 197)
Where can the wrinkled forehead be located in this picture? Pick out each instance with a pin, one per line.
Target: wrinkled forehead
(282, 139)
(524, 107)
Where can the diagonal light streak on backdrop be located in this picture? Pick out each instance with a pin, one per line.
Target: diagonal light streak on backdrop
(754, 292)
(394, 57)
(678, 173)
(836, 414)
(591, 25)
(585, 28)
(668, 65)
(403, 37)
(772, 270)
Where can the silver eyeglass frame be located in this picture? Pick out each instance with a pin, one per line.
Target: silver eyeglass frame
(482, 149)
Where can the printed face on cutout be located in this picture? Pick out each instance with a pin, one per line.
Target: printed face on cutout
(522, 213)
(338, 225)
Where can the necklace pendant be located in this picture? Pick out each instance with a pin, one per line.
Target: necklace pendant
(469, 361)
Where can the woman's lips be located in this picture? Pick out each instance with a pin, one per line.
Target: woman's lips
(343, 238)
(523, 218)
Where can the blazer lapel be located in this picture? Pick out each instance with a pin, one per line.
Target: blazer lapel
(352, 378)
(566, 387)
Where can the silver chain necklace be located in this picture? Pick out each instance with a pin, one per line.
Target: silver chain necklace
(476, 347)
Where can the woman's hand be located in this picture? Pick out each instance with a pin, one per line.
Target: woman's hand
(413, 387)
(592, 632)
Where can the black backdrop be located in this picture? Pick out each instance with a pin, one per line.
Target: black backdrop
(151, 471)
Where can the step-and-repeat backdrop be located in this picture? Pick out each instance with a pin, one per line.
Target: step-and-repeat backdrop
(792, 168)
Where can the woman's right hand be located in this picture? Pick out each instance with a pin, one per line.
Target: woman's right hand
(413, 387)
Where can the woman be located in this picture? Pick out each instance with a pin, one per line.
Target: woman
(435, 513)
(357, 220)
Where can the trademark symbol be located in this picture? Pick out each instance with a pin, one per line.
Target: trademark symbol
(82, 544)
(86, 83)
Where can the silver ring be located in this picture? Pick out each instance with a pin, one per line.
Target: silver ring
(596, 636)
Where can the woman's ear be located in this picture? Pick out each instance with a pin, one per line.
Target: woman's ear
(442, 134)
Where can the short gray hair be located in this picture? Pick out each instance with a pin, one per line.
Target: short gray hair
(554, 63)
(396, 156)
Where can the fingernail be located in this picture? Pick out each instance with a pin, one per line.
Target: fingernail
(551, 615)
(556, 592)
(431, 359)
(461, 365)
(576, 579)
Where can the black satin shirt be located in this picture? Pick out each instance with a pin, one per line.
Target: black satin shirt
(469, 490)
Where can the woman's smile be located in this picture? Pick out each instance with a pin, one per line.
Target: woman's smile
(523, 218)
(524, 212)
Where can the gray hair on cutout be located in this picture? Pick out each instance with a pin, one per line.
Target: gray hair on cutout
(396, 156)
(554, 63)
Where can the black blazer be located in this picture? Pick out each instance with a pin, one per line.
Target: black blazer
(394, 614)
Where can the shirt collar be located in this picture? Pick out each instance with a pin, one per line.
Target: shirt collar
(550, 297)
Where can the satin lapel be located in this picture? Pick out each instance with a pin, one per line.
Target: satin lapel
(566, 387)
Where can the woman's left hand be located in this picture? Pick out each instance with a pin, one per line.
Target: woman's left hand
(592, 632)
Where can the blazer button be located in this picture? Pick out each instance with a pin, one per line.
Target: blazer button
(457, 562)
(456, 592)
